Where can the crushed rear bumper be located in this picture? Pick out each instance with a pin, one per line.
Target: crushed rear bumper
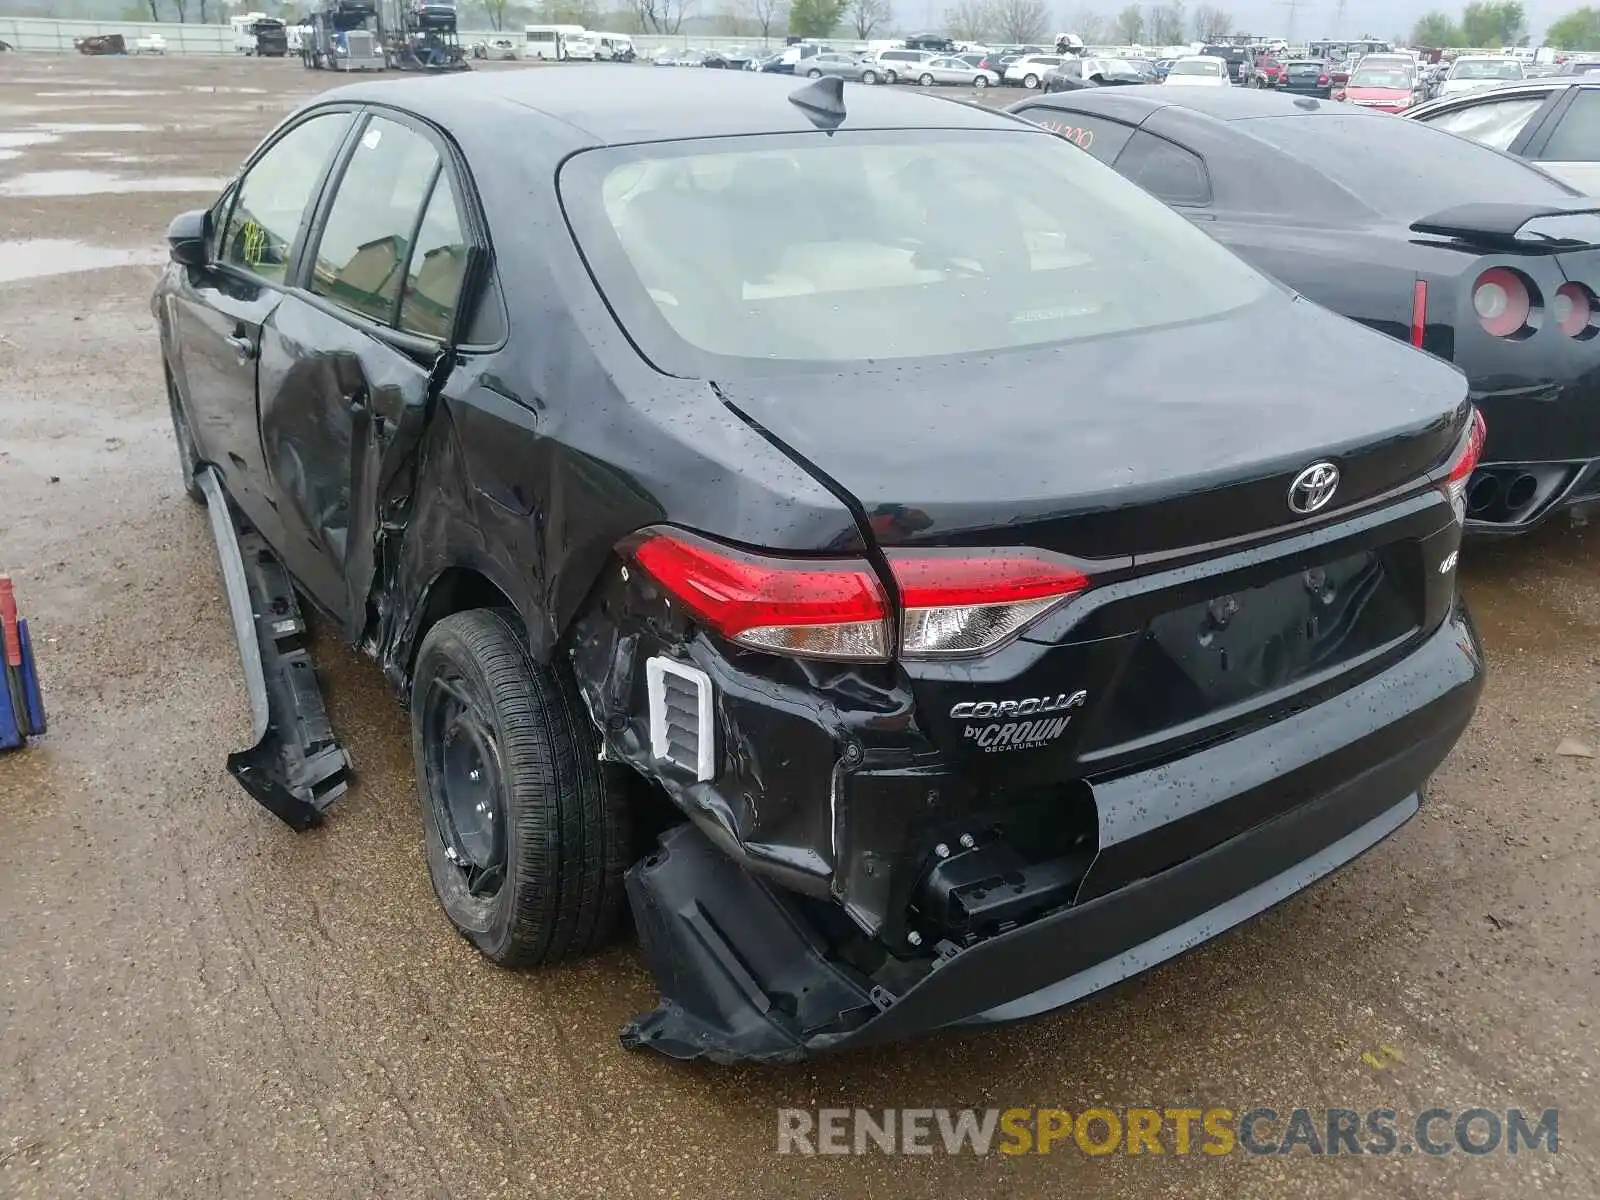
(744, 975)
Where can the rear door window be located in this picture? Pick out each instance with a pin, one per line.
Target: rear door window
(366, 239)
(438, 263)
(1577, 137)
(1493, 123)
(1100, 136)
(1165, 170)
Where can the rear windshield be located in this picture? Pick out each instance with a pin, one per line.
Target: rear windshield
(768, 254)
(1381, 77)
(1194, 67)
(1403, 168)
(1484, 68)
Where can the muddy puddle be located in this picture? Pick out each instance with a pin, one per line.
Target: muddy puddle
(67, 127)
(99, 183)
(79, 93)
(15, 141)
(40, 258)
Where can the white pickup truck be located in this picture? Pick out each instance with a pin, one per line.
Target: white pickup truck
(150, 43)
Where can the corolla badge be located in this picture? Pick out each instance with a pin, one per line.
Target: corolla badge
(1313, 488)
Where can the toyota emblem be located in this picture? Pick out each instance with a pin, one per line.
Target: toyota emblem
(1313, 488)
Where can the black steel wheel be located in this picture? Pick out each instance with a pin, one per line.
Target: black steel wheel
(526, 830)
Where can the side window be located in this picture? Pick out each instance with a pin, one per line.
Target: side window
(1073, 69)
(274, 194)
(1099, 136)
(366, 238)
(1577, 138)
(1166, 171)
(433, 280)
(1495, 124)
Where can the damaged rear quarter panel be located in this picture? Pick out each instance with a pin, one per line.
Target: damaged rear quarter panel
(545, 453)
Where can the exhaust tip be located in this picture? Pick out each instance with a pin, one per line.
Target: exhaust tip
(1521, 491)
(1483, 491)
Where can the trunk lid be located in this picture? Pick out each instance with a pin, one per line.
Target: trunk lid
(1133, 446)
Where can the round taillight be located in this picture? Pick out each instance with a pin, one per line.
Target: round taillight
(1322, 81)
(1502, 301)
(1573, 310)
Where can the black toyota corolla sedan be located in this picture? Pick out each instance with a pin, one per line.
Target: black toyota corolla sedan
(717, 452)
(1464, 251)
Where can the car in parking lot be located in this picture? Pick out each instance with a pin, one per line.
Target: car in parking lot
(845, 66)
(1470, 73)
(1554, 123)
(1198, 70)
(1306, 77)
(953, 71)
(1029, 70)
(1076, 73)
(644, 462)
(1387, 87)
(894, 65)
(1460, 250)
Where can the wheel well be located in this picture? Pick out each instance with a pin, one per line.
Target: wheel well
(457, 589)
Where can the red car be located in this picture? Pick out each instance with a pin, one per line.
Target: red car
(1338, 73)
(1385, 88)
(1269, 71)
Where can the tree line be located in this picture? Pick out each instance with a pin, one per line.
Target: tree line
(1028, 21)
(1484, 23)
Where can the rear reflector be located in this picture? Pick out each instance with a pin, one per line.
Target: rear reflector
(814, 608)
(1466, 461)
(965, 602)
(1419, 311)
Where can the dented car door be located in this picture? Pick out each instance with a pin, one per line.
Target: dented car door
(348, 359)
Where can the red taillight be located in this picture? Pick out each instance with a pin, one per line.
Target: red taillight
(1503, 301)
(956, 602)
(815, 608)
(1419, 311)
(962, 602)
(1573, 308)
(1322, 81)
(1466, 460)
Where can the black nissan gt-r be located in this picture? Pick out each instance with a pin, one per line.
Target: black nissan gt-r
(1464, 251)
(720, 452)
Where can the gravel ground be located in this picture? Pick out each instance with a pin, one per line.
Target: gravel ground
(196, 1002)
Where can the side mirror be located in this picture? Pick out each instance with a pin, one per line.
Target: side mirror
(189, 238)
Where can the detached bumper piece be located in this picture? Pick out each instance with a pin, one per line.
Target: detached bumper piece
(296, 768)
(741, 978)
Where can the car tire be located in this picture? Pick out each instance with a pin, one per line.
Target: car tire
(188, 453)
(980, 81)
(489, 726)
(1030, 81)
(924, 80)
(891, 77)
(813, 74)
(869, 77)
